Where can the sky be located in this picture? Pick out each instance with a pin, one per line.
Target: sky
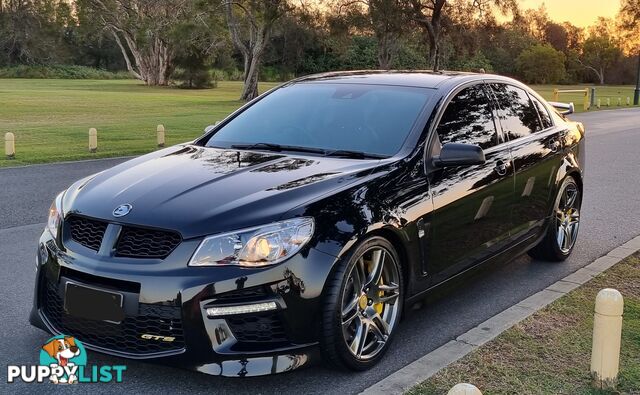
(579, 12)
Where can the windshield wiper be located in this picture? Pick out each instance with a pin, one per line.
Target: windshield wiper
(278, 148)
(341, 153)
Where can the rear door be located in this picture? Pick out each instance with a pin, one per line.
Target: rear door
(471, 220)
(535, 147)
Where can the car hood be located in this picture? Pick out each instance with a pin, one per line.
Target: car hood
(198, 191)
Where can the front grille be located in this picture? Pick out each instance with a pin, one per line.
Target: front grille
(134, 242)
(265, 328)
(88, 232)
(124, 337)
(242, 294)
(146, 243)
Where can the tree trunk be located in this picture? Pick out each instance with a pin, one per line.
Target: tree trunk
(151, 65)
(250, 88)
(251, 49)
(434, 51)
(385, 53)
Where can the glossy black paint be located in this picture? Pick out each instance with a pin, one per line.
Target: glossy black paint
(442, 220)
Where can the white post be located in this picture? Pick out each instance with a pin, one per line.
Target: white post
(160, 131)
(607, 332)
(464, 389)
(93, 140)
(10, 145)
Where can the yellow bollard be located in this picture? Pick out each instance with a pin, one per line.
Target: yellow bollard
(464, 389)
(598, 103)
(10, 145)
(619, 101)
(628, 100)
(160, 130)
(555, 95)
(93, 140)
(585, 102)
(608, 102)
(607, 331)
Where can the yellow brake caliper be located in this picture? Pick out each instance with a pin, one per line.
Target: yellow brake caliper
(378, 307)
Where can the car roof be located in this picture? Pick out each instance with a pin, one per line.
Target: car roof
(415, 78)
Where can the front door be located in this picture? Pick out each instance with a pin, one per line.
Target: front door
(471, 219)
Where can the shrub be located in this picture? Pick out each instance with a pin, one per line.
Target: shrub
(541, 64)
(62, 72)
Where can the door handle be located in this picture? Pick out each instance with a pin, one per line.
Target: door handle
(501, 168)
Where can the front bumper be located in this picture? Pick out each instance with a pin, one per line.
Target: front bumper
(168, 300)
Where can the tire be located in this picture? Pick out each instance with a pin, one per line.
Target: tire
(562, 230)
(345, 314)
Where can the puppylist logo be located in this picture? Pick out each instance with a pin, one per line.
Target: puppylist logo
(63, 360)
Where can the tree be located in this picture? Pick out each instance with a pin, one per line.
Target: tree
(34, 32)
(541, 64)
(556, 35)
(598, 54)
(141, 28)
(428, 15)
(250, 23)
(386, 19)
(198, 40)
(575, 36)
(629, 25)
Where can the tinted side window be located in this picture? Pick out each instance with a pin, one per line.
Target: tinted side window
(544, 114)
(468, 119)
(518, 116)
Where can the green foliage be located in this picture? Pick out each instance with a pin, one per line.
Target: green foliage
(474, 63)
(541, 64)
(309, 39)
(35, 32)
(599, 53)
(361, 54)
(193, 77)
(62, 72)
(504, 47)
(226, 75)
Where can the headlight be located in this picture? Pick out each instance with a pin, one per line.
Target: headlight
(55, 216)
(255, 247)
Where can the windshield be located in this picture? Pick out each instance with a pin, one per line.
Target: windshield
(372, 119)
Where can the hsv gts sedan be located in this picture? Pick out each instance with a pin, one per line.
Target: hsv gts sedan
(302, 225)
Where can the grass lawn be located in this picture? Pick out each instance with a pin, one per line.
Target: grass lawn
(613, 92)
(51, 118)
(550, 352)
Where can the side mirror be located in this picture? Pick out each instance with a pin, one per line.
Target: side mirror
(210, 127)
(455, 154)
(563, 108)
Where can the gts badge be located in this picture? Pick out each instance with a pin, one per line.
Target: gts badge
(147, 336)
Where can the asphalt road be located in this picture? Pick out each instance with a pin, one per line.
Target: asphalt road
(609, 218)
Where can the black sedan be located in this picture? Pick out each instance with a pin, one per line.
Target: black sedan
(304, 223)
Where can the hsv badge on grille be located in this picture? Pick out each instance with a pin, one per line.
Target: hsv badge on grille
(122, 210)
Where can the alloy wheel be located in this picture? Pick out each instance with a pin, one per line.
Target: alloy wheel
(370, 303)
(568, 217)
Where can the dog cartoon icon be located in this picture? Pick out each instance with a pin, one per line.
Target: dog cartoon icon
(62, 350)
